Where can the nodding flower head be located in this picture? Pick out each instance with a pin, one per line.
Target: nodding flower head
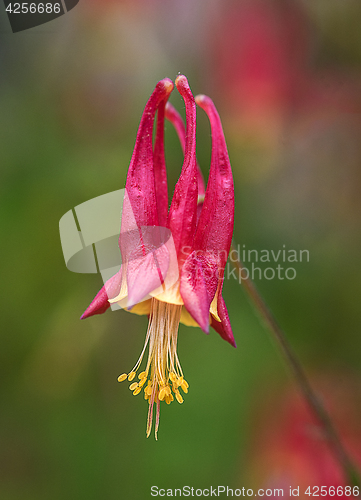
(177, 278)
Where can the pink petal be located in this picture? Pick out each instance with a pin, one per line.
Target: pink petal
(176, 120)
(224, 327)
(146, 273)
(140, 202)
(183, 211)
(100, 302)
(198, 285)
(215, 225)
(160, 172)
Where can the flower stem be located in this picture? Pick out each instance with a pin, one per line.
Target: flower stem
(350, 471)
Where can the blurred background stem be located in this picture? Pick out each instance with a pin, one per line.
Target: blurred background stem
(350, 471)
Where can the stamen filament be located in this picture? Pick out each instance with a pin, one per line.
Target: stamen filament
(163, 366)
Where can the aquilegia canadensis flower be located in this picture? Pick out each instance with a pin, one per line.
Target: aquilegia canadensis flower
(187, 289)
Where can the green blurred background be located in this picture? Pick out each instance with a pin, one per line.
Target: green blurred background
(286, 79)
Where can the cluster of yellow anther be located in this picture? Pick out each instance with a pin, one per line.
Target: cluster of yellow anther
(163, 367)
(162, 391)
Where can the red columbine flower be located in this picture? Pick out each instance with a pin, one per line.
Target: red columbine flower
(176, 279)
